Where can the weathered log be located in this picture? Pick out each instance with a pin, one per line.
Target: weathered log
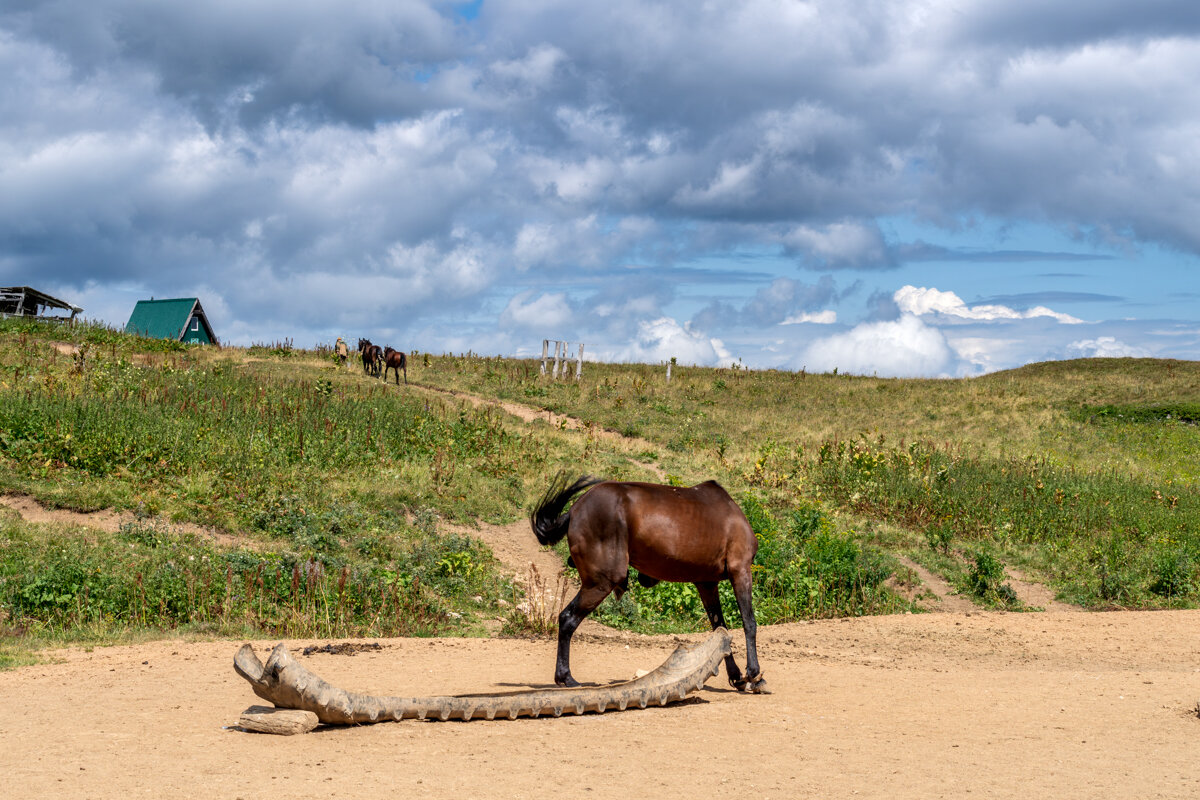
(288, 684)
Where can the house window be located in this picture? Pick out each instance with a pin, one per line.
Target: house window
(195, 324)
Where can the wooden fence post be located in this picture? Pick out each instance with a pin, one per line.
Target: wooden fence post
(579, 362)
(545, 347)
(558, 347)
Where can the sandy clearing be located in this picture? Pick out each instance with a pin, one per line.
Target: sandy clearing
(936, 705)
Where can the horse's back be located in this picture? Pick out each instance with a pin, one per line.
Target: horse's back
(672, 533)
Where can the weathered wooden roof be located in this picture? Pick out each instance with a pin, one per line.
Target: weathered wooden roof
(25, 300)
(166, 319)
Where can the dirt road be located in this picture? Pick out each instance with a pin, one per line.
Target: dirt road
(934, 705)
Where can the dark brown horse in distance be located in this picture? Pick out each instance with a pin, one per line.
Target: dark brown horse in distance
(372, 357)
(695, 535)
(395, 360)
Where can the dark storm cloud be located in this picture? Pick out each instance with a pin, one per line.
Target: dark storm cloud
(1054, 24)
(350, 62)
(325, 162)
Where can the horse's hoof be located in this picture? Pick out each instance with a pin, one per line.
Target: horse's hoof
(567, 682)
(759, 686)
(738, 683)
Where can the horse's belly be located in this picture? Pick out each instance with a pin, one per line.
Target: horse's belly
(679, 566)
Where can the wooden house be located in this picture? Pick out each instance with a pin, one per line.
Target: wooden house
(181, 319)
(25, 301)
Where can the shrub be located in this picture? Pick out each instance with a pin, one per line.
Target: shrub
(985, 580)
(1173, 571)
(1116, 581)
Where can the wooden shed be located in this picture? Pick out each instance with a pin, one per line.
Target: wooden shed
(180, 318)
(25, 301)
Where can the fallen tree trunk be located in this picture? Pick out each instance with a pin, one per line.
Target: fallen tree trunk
(288, 684)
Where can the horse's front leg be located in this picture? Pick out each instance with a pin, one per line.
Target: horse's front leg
(711, 599)
(742, 590)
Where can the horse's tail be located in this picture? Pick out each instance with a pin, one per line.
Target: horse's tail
(549, 520)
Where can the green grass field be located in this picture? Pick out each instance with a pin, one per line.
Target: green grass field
(334, 487)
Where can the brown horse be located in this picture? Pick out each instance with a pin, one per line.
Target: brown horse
(395, 360)
(372, 357)
(695, 535)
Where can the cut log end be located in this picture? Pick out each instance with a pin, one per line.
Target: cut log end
(280, 721)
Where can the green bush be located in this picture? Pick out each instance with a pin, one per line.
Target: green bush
(1116, 579)
(985, 580)
(1173, 572)
(1179, 412)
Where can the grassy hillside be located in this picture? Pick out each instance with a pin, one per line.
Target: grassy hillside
(334, 488)
(1083, 473)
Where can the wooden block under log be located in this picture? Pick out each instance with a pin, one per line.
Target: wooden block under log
(282, 721)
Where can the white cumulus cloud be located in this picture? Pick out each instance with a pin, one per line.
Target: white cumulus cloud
(847, 244)
(1105, 347)
(900, 348)
(545, 312)
(826, 317)
(664, 338)
(921, 301)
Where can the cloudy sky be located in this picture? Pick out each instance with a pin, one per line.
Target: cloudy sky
(901, 187)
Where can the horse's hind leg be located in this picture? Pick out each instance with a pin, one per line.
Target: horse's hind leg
(712, 606)
(742, 590)
(581, 605)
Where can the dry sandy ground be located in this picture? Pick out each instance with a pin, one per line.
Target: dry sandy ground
(935, 705)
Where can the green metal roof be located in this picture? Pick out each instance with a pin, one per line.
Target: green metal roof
(168, 319)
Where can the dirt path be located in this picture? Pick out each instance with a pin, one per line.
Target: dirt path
(914, 706)
(534, 567)
(945, 598)
(106, 519)
(936, 593)
(562, 421)
(1037, 595)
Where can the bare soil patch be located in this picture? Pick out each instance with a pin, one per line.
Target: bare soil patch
(936, 594)
(1037, 595)
(107, 519)
(538, 569)
(914, 706)
(944, 597)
